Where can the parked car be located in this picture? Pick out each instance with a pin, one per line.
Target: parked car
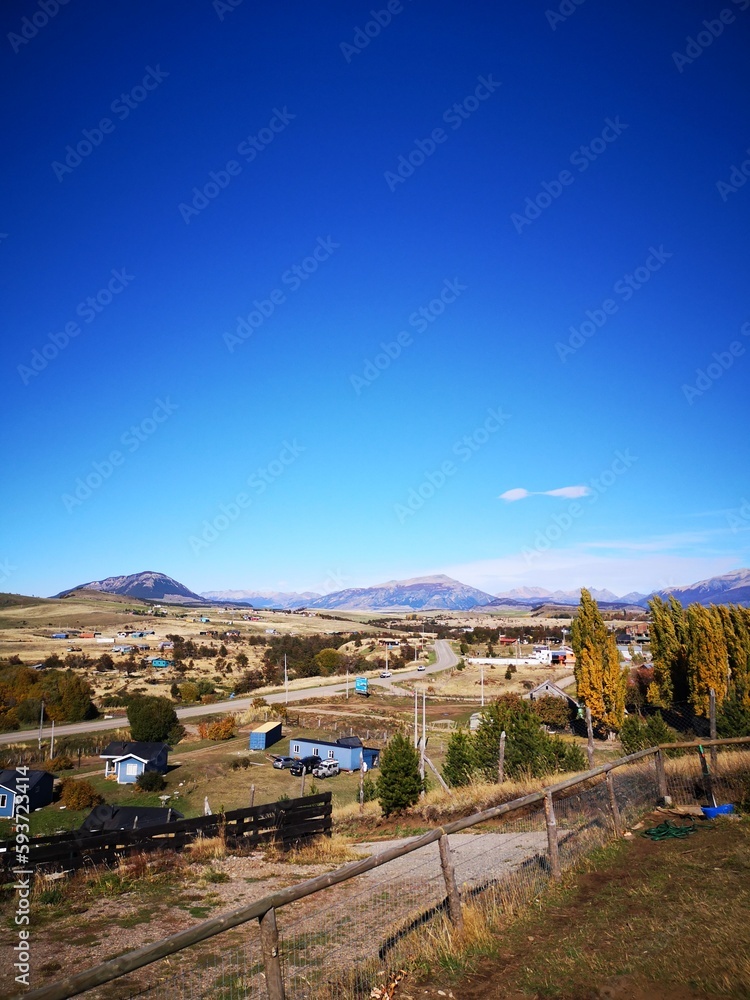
(282, 762)
(326, 769)
(421, 667)
(385, 673)
(305, 765)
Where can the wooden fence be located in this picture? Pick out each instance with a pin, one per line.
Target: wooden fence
(284, 823)
(264, 910)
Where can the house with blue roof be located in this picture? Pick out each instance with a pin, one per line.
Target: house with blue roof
(346, 750)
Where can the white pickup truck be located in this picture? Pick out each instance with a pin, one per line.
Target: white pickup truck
(326, 769)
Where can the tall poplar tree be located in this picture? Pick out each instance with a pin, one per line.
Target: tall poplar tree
(588, 637)
(668, 633)
(614, 684)
(706, 657)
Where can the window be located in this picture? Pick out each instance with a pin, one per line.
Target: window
(316, 752)
(295, 748)
(131, 769)
(331, 754)
(3, 801)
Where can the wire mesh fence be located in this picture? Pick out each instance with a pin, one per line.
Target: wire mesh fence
(347, 937)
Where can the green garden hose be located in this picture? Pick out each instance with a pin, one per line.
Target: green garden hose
(669, 830)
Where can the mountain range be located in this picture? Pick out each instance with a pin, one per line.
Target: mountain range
(418, 594)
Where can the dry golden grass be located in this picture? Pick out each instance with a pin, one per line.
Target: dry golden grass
(207, 849)
(333, 850)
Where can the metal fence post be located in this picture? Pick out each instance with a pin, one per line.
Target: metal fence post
(616, 820)
(269, 943)
(590, 743)
(449, 874)
(661, 779)
(554, 854)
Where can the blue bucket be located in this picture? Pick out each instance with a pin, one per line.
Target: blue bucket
(711, 812)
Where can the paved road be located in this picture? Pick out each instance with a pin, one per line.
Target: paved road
(446, 658)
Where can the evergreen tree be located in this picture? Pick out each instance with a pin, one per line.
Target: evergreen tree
(399, 782)
(734, 717)
(154, 720)
(706, 657)
(459, 760)
(528, 749)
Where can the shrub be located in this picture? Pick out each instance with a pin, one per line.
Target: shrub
(151, 781)
(79, 794)
(459, 760)
(369, 789)
(552, 711)
(223, 729)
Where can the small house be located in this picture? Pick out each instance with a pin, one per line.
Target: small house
(161, 661)
(346, 750)
(547, 688)
(59, 635)
(125, 761)
(109, 818)
(37, 785)
(265, 736)
(168, 644)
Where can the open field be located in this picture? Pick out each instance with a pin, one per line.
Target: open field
(639, 920)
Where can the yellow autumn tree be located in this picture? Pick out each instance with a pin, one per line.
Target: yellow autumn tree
(706, 657)
(614, 685)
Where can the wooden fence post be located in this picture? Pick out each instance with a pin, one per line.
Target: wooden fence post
(501, 759)
(252, 796)
(269, 943)
(449, 874)
(590, 744)
(616, 820)
(554, 854)
(712, 728)
(661, 780)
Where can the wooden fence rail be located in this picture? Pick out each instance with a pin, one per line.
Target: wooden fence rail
(284, 823)
(264, 910)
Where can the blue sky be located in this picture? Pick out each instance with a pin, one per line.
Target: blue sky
(292, 297)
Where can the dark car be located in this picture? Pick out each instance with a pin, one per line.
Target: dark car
(282, 762)
(304, 765)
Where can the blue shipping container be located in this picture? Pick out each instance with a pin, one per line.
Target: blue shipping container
(265, 736)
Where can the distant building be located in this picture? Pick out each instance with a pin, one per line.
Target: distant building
(160, 661)
(60, 635)
(548, 688)
(346, 750)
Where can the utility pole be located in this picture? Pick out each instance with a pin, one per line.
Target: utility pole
(347, 682)
(481, 672)
(416, 719)
(41, 724)
(424, 740)
(52, 742)
(286, 682)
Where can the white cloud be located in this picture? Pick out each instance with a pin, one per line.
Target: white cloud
(568, 492)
